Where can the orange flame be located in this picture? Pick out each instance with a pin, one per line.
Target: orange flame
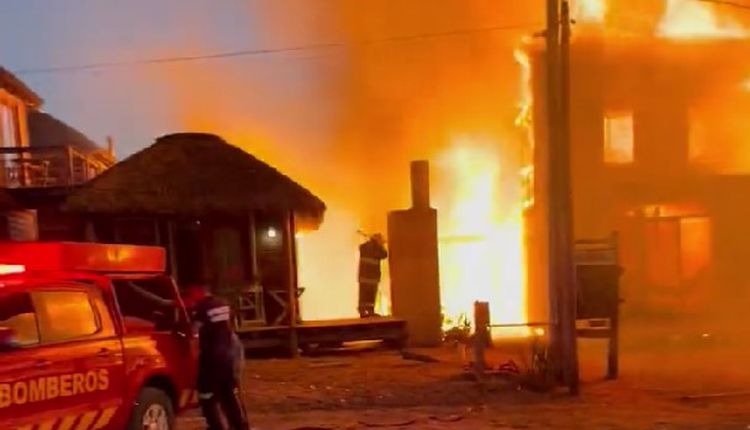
(481, 243)
(590, 11)
(687, 19)
(524, 120)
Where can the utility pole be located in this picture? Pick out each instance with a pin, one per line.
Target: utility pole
(569, 303)
(562, 282)
(552, 36)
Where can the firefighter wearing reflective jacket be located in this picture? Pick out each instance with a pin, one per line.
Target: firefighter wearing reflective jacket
(371, 253)
(218, 381)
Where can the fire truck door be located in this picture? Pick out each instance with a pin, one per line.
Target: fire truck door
(90, 366)
(25, 366)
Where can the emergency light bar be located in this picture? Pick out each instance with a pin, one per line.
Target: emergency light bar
(11, 269)
(17, 257)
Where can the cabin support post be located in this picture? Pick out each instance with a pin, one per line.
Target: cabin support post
(292, 283)
(172, 250)
(253, 245)
(71, 166)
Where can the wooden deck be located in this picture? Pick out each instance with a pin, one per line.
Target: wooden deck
(327, 332)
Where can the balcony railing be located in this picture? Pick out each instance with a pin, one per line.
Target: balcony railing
(53, 166)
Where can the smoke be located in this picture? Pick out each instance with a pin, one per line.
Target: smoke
(410, 80)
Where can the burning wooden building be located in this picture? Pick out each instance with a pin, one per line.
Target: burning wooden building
(659, 154)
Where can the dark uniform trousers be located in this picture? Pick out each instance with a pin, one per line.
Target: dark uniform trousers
(371, 253)
(219, 395)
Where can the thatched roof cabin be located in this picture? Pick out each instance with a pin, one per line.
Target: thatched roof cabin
(194, 174)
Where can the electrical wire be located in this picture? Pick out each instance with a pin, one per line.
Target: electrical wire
(269, 51)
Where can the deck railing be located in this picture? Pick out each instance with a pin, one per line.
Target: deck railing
(53, 166)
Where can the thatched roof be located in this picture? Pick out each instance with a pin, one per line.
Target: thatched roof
(45, 131)
(15, 86)
(193, 174)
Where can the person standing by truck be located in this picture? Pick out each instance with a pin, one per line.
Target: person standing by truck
(218, 360)
(221, 355)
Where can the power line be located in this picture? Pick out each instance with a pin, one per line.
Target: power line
(269, 51)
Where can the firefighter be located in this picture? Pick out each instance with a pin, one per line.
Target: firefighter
(371, 253)
(221, 355)
(218, 368)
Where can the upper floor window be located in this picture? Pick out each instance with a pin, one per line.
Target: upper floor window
(619, 140)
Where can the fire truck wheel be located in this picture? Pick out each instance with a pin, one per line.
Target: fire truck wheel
(153, 411)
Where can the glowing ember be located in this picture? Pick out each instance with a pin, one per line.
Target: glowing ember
(688, 19)
(481, 243)
(590, 10)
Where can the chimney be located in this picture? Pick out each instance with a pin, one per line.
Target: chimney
(413, 260)
(420, 184)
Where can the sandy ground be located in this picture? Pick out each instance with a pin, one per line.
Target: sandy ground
(661, 365)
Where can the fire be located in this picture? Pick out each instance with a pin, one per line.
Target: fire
(524, 121)
(590, 10)
(327, 267)
(689, 19)
(481, 243)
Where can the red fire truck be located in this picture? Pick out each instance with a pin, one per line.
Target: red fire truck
(82, 347)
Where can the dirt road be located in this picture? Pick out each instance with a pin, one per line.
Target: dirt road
(382, 390)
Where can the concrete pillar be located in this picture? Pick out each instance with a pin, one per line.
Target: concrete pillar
(413, 260)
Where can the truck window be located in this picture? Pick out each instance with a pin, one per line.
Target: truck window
(149, 300)
(107, 325)
(17, 314)
(65, 315)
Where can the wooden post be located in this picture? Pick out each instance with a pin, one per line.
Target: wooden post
(568, 281)
(71, 165)
(172, 250)
(613, 352)
(562, 268)
(481, 336)
(552, 106)
(292, 284)
(253, 245)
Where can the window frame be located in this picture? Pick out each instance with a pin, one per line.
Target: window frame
(74, 288)
(38, 342)
(611, 153)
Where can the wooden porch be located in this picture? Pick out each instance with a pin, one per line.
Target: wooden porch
(50, 166)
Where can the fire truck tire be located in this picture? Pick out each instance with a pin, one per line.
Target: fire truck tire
(153, 406)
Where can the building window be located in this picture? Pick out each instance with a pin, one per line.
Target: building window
(618, 139)
(9, 130)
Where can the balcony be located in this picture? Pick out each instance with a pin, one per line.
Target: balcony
(52, 166)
